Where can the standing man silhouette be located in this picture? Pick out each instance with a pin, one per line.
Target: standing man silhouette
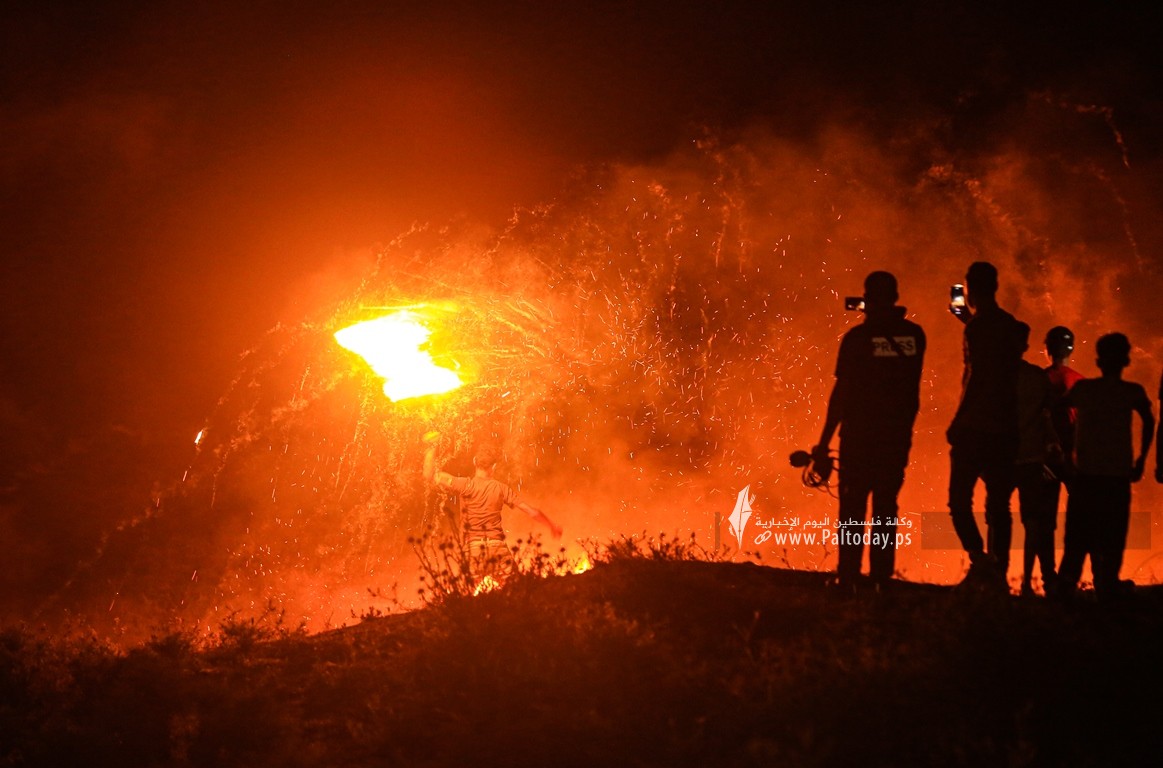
(1039, 448)
(983, 436)
(874, 402)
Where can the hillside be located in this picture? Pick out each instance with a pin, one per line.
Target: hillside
(640, 661)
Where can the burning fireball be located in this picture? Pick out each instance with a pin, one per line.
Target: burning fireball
(395, 347)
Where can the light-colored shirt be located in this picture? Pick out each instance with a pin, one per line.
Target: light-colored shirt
(481, 502)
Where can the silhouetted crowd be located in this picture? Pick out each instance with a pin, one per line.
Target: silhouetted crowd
(1018, 427)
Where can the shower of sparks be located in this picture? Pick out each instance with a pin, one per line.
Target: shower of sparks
(637, 359)
(394, 347)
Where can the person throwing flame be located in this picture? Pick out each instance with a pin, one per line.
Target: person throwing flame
(482, 497)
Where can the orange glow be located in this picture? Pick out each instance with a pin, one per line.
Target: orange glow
(582, 565)
(487, 584)
(394, 347)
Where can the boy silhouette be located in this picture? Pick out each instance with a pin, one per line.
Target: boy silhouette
(1059, 348)
(1038, 449)
(1099, 508)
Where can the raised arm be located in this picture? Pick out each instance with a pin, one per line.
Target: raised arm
(431, 476)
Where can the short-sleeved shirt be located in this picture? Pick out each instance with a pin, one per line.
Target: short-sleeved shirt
(481, 502)
(880, 362)
(1103, 443)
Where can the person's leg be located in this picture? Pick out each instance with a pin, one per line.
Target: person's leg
(854, 491)
(998, 475)
(1078, 535)
(1028, 476)
(1047, 514)
(492, 563)
(963, 473)
(1111, 535)
(882, 555)
(1054, 490)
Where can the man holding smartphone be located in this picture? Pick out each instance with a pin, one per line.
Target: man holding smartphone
(983, 436)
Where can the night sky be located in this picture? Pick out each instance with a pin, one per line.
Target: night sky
(178, 178)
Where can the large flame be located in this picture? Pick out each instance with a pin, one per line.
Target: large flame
(394, 347)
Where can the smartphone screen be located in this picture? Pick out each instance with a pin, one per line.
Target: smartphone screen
(957, 303)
